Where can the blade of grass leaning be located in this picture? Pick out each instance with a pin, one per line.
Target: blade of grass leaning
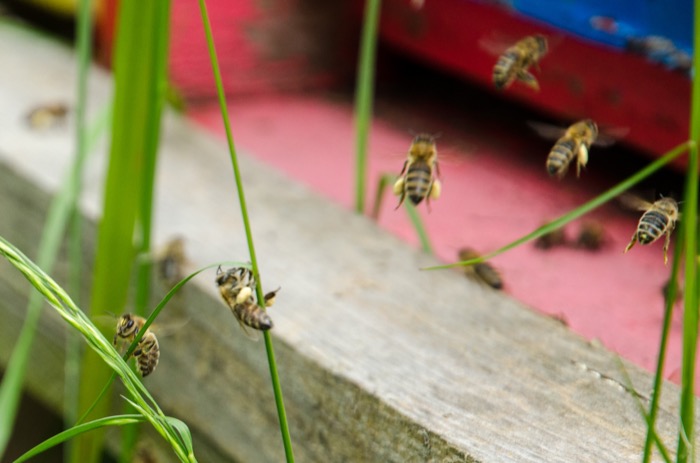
(135, 130)
(272, 363)
(66, 308)
(149, 321)
(52, 234)
(669, 303)
(119, 420)
(581, 210)
(364, 93)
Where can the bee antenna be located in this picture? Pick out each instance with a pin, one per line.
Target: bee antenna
(218, 270)
(437, 135)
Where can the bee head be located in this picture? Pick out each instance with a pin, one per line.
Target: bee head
(126, 326)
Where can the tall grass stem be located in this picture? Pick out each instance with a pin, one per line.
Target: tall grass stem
(364, 93)
(276, 387)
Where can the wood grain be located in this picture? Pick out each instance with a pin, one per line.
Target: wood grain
(379, 361)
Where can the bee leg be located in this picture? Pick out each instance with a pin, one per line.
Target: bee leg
(582, 158)
(529, 80)
(631, 243)
(667, 243)
(403, 169)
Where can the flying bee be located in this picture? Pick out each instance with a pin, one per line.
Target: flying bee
(418, 177)
(574, 143)
(552, 239)
(147, 351)
(172, 260)
(591, 236)
(483, 272)
(237, 287)
(514, 63)
(659, 218)
(47, 116)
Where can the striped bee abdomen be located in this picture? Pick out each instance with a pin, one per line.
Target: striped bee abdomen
(418, 181)
(503, 70)
(560, 157)
(652, 225)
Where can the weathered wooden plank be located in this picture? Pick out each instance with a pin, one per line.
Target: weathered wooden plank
(378, 360)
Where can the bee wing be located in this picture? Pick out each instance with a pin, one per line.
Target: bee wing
(249, 333)
(634, 202)
(608, 136)
(546, 131)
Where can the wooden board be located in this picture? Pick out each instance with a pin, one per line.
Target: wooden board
(378, 361)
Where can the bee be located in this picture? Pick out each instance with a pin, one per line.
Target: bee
(591, 236)
(237, 286)
(575, 143)
(659, 218)
(47, 116)
(483, 272)
(552, 239)
(513, 64)
(147, 352)
(418, 177)
(172, 260)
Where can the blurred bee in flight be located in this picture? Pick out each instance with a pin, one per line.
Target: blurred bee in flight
(552, 239)
(171, 261)
(147, 351)
(591, 236)
(483, 272)
(659, 218)
(573, 143)
(514, 63)
(418, 178)
(47, 116)
(237, 288)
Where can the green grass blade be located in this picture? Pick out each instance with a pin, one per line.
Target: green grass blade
(157, 95)
(276, 387)
(72, 362)
(418, 226)
(135, 131)
(690, 308)
(364, 93)
(384, 180)
(647, 419)
(119, 420)
(670, 300)
(582, 210)
(411, 211)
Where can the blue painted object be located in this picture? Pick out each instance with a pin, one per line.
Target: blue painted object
(662, 30)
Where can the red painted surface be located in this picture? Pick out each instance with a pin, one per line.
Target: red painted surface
(491, 196)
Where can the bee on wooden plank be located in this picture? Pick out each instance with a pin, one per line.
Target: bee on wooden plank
(482, 272)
